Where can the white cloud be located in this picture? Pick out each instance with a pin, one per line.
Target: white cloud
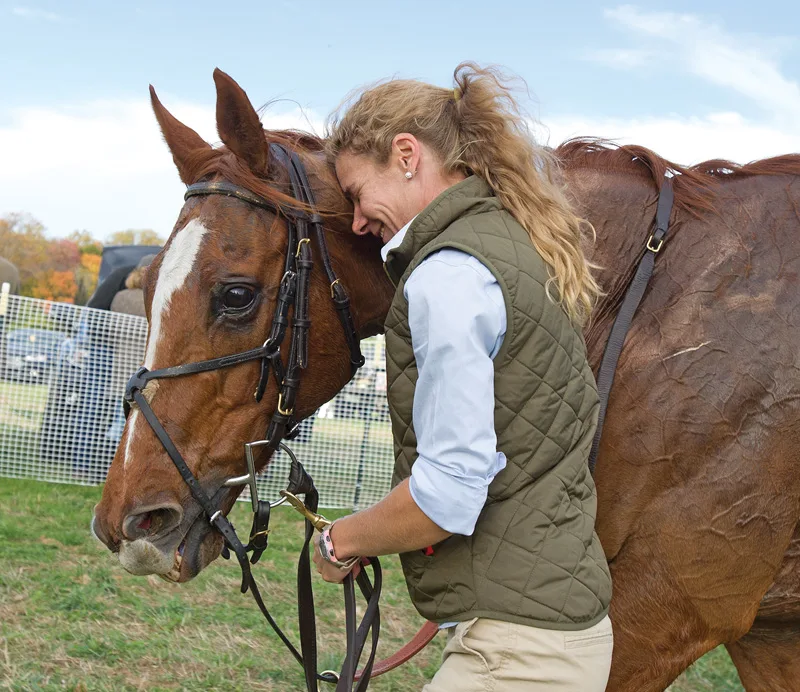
(102, 166)
(744, 63)
(105, 167)
(620, 58)
(33, 13)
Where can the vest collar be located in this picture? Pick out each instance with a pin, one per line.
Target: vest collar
(466, 198)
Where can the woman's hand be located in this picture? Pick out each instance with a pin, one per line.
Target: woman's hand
(330, 572)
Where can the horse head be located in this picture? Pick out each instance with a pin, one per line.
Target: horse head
(212, 292)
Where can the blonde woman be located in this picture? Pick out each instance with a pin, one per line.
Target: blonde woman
(492, 400)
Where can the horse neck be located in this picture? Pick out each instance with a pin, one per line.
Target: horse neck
(621, 208)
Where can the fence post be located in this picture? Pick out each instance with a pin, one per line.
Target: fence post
(362, 457)
(5, 290)
(4, 293)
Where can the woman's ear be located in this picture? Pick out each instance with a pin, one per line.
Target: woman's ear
(406, 153)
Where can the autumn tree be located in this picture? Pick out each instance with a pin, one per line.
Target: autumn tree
(86, 242)
(63, 269)
(55, 285)
(134, 236)
(88, 268)
(63, 254)
(24, 244)
(86, 276)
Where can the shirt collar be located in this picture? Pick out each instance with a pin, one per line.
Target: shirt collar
(396, 239)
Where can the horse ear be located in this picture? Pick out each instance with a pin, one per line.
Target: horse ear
(180, 139)
(238, 124)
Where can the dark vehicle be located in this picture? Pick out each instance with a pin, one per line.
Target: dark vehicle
(121, 256)
(29, 354)
(83, 419)
(118, 261)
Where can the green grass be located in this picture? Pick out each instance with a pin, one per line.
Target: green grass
(712, 673)
(30, 400)
(71, 618)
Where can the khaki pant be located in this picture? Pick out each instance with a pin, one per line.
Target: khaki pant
(484, 655)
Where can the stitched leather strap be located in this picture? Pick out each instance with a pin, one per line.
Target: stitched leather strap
(418, 642)
(633, 297)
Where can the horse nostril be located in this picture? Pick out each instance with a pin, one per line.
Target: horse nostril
(153, 522)
(99, 532)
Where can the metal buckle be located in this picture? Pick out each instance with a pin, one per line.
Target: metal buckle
(655, 249)
(336, 281)
(287, 412)
(300, 245)
(329, 672)
(265, 532)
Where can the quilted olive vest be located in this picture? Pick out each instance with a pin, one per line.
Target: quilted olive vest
(534, 557)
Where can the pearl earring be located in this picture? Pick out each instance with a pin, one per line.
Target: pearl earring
(409, 175)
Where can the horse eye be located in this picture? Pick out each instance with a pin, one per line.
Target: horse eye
(237, 297)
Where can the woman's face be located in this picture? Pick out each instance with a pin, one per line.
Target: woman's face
(384, 199)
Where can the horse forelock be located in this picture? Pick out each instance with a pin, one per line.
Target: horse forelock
(206, 164)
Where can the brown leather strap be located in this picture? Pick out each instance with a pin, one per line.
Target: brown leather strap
(633, 296)
(420, 640)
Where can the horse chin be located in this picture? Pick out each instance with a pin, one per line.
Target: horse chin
(201, 546)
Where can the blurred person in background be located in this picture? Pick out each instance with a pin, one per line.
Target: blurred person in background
(130, 299)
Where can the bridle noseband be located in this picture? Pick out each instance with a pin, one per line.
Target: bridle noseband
(293, 294)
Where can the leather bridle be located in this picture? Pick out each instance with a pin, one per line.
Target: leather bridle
(293, 294)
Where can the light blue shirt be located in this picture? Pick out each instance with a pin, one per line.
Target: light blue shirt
(457, 319)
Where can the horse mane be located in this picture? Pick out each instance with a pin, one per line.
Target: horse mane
(695, 190)
(695, 186)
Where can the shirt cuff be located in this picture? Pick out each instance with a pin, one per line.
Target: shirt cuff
(449, 502)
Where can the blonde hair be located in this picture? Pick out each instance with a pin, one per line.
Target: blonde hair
(478, 128)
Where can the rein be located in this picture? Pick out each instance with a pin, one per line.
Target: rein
(293, 294)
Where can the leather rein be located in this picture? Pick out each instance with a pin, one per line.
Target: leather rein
(293, 294)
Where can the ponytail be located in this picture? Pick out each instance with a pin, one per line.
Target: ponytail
(477, 128)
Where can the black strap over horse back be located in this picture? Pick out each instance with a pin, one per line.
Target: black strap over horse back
(293, 295)
(633, 297)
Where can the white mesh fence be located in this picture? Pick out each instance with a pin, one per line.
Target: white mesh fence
(63, 371)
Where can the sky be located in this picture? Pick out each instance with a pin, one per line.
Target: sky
(80, 149)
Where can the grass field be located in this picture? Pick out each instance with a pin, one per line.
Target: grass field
(71, 618)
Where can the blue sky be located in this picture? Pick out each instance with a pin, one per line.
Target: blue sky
(693, 80)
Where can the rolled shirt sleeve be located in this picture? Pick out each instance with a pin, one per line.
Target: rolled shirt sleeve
(457, 319)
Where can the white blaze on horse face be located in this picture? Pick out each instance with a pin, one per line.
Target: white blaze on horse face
(175, 268)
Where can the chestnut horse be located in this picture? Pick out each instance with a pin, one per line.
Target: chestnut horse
(698, 476)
